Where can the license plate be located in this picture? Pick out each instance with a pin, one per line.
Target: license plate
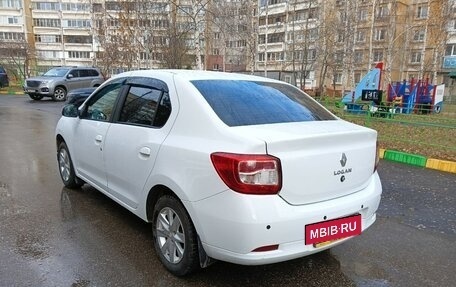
(331, 230)
(31, 91)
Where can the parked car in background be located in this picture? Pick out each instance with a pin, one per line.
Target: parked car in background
(78, 96)
(225, 166)
(57, 82)
(4, 81)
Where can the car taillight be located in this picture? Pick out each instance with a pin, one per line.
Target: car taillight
(377, 157)
(249, 173)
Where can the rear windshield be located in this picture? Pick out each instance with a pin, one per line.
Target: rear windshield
(241, 103)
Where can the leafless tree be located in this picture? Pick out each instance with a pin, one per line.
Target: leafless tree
(17, 57)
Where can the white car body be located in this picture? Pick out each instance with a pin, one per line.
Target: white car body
(126, 162)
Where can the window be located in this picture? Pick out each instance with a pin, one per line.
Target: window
(50, 6)
(418, 36)
(377, 56)
(76, 23)
(240, 103)
(272, 2)
(422, 12)
(48, 38)
(85, 73)
(11, 4)
(215, 67)
(450, 50)
(75, 7)
(97, 7)
(382, 12)
(217, 35)
(338, 78)
(101, 106)
(313, 34)
(360, 36)
(144, 56)
(358, 57)
(184, 10)
(362, 15)
(215, 51)
(140, 106)
(380, 34)
(261, 57)
(77, 39)
(79, 54)
(340, 37)
(15, 36)
(275, 37)
(357, 77)
(49, 54)
(41, 22)
(14, 20)
(338, 57)
(275, 56)
(415, 57)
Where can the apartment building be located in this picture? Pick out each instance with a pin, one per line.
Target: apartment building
(333, 43)
(314, 44)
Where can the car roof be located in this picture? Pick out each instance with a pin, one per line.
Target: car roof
(191, 75)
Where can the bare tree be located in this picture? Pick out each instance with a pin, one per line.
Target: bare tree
(17, 57)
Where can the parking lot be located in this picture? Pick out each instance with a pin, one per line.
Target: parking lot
(52, 236)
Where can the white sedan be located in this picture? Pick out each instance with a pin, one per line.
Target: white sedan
(225, 166)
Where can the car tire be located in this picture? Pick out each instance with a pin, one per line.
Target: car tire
(66, 168)
(60, 94)
(174, 235)
(35, 97)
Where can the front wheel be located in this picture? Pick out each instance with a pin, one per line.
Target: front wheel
(175, 237)
(66, 168)
(59, 94)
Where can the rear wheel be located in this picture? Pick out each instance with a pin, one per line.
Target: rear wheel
(175, 237)
(35, 97)
(59, 94)
(66, 168)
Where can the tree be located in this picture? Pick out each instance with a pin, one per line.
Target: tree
(17, 56)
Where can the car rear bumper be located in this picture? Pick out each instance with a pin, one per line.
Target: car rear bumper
(232, 225)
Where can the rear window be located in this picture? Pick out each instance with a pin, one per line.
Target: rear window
(241, 103)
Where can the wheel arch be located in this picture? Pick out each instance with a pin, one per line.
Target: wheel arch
(58, 140)
(154, 194)
(61, 86)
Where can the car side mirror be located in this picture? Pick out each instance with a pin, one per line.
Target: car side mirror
(70, 111)
(70, 76)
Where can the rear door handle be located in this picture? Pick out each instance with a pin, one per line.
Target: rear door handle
(98, 138)
(144, 151)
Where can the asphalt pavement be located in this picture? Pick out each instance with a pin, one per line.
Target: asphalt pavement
(52, 236)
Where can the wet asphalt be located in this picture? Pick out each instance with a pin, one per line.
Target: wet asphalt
(52, 236)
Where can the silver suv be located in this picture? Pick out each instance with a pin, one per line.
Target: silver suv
(57, 82)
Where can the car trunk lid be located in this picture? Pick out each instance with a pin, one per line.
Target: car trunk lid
(320, 160)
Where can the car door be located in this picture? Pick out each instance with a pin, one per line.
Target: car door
(90, 132)
(73, 81)
(133, 141)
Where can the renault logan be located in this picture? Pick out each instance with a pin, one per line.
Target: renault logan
(225, 166)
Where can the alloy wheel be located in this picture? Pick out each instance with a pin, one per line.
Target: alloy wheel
(64, 165)
(170, 235)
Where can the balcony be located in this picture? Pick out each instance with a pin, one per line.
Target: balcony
(272, 47)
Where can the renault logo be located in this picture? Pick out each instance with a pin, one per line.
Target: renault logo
(343, 160)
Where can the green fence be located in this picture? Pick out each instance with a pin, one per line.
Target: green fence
(420, 132)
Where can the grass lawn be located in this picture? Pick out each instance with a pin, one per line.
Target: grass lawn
(430, 135)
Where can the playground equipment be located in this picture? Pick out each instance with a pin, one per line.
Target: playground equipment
(416, 96)
(402, 97)
(368, 89)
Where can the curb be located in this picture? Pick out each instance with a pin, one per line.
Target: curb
(11, 93)
(418, 160)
